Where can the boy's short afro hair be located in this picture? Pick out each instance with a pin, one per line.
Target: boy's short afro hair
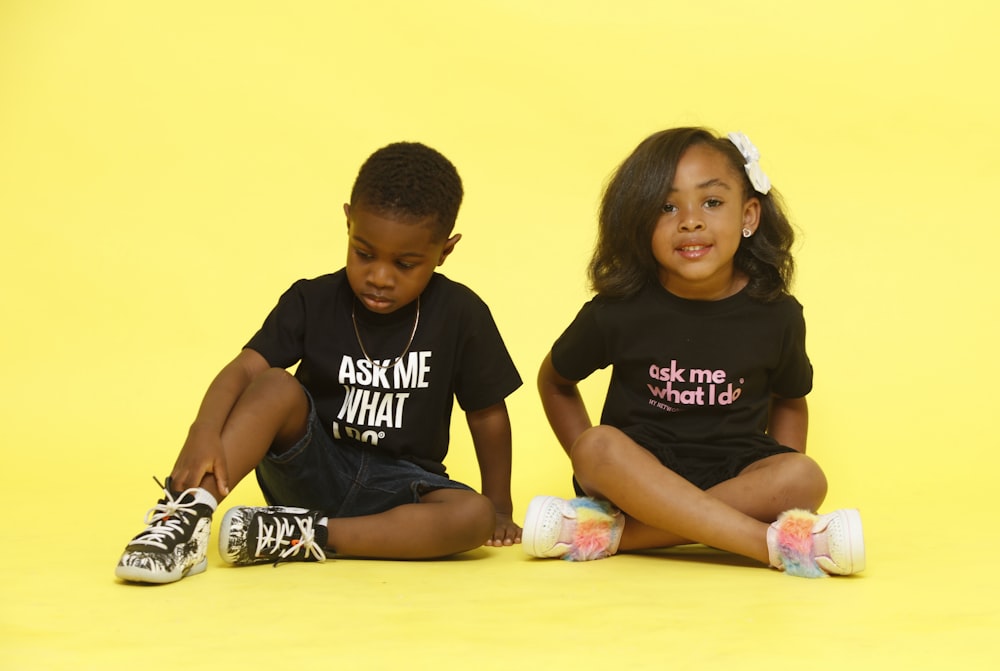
(410, 180)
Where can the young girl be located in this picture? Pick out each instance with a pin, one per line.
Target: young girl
(703, 434)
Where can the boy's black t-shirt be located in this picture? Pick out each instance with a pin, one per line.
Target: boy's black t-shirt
(693, 375)
(457, 353)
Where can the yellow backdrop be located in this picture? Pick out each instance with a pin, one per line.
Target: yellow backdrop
(167, 169)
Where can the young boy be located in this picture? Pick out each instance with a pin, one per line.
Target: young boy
(349, 451)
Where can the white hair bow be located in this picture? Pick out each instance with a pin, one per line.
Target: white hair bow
(757, 177)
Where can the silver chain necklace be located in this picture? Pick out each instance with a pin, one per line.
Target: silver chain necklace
(357, 333)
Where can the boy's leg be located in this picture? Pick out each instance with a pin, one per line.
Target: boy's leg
(271, 415)
(270, 412)
(445, 522)
(353, 500)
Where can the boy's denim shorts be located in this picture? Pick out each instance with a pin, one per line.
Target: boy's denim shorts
(342, 479)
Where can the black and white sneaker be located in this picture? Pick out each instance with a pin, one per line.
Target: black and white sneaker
(174, 543)
(261, 535)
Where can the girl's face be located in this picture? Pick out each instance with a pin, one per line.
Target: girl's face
(699, 231)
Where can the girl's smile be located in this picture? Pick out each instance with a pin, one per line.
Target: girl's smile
(694, 251)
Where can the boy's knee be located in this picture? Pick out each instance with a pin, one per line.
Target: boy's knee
(471, 516)
(270, 377)
(476, 518)
(485, 516)
(276, 381)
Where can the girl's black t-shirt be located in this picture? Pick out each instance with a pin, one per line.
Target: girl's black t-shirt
(689, 374)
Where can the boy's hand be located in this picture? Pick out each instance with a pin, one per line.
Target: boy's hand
(201, 455)
(506, 532)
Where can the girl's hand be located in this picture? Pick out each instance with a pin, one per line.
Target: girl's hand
(506, 531)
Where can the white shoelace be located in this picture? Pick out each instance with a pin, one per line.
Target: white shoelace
(166, 518)
(271, 539)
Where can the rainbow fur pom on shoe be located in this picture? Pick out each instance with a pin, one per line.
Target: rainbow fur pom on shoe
(579, 529)
(807, 545)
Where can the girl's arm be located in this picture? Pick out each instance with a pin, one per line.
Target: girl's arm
(563, 404)
(789, 422)
(491, 436)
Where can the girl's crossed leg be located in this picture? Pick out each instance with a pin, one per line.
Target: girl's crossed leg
(766, 512)
(663, 509)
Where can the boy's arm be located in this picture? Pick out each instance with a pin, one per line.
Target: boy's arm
(789, 422)
(563, 404)
(491, 435)
(202, 452)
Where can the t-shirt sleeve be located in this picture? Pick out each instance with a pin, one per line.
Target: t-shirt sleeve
(280, 339)
(486, 372)
(793, 377)
(582, 347)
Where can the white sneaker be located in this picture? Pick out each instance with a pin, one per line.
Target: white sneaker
(579, 529)
(807, 545)
(839, 542)
(174, 543)
(271, 534)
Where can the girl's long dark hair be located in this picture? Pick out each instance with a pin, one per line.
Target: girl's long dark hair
(623, 261)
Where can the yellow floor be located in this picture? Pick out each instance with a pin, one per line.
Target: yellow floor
(925, 602)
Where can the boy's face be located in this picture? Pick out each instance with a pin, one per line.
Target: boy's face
(390, 261)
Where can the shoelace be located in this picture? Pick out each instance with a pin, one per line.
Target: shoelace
(167, 518)
(271, 538)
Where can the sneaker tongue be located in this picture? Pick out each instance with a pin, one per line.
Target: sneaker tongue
(567, 531)
(190, 497)
(322, 534)
(821, 545)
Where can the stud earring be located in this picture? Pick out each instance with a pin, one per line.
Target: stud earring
(747, 232)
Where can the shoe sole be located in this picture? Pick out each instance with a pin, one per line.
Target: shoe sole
(532, 524)
(133, 574)
(856, 540)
